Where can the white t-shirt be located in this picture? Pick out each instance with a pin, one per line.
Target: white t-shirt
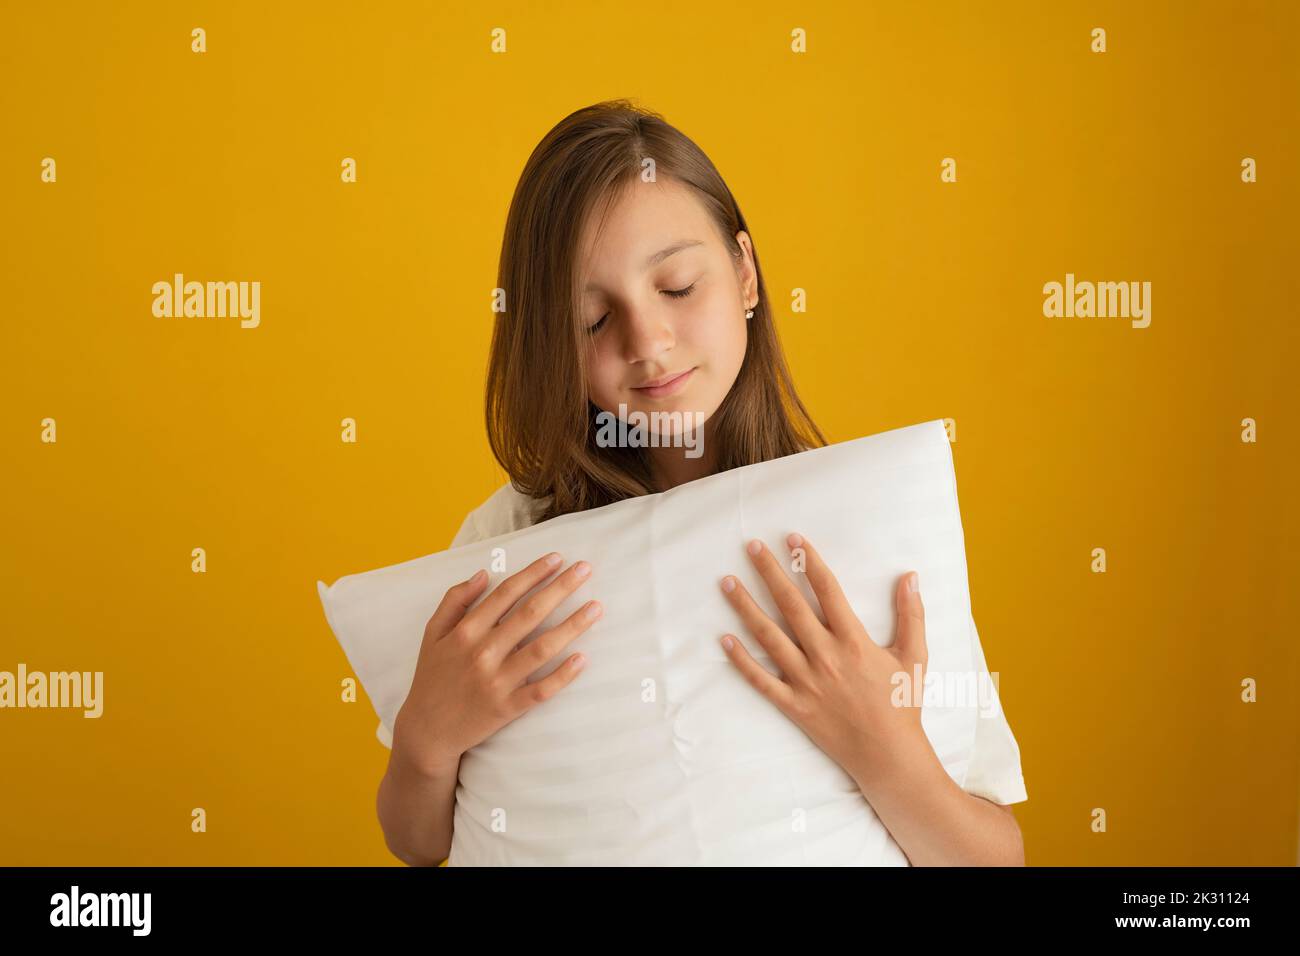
(995, 764)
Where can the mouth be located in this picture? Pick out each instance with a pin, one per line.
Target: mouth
(665, 385)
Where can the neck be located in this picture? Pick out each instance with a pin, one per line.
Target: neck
(671, 466)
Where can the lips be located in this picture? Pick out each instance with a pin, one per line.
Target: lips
(665, 385)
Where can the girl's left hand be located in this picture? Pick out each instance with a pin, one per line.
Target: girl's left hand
(838, 684)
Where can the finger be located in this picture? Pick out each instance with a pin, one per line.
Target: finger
(910, 647)
(530, 695)
(454, 604)
(839, 613)
(790, 601)
(519, 664)
(775, 641)
(529, 614)
(503, 597)
(759, 677)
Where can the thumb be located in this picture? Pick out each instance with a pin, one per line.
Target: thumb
(910, 645)
(454, 605)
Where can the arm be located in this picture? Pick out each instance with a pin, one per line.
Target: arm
(934, 821)
(416, 806)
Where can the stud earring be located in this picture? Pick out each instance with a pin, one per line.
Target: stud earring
(749, 313)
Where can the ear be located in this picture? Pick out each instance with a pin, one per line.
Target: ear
(748, 272)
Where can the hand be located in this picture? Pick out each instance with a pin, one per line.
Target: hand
(470, 678)
(838, 684)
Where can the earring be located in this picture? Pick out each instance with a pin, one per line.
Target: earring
(749, 313)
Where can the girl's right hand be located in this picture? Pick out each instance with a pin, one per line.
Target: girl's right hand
(470, 678)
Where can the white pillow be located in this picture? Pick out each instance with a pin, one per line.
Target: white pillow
(660, 752)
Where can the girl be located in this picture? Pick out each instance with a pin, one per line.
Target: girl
(632, 284)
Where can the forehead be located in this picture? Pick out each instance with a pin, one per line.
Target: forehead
(644, 219)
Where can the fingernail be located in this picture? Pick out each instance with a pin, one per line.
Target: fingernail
(727, 642)
(479, 575)
(552, 560)
(593, 610)
(755, 546)
(581, 569)
(728, 583)
(578, 661)
(912, 582)
(794, 540)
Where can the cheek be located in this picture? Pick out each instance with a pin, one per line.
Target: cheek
(603, 376)
(720, 333)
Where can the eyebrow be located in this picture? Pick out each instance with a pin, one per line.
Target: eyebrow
(662, 254)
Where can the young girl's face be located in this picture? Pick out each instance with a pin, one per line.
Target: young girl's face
(666, 302)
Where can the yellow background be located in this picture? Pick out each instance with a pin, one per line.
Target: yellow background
(925, 301)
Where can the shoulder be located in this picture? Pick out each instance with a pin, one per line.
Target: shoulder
(506, 509)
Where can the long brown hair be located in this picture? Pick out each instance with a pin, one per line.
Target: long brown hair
(540, 422)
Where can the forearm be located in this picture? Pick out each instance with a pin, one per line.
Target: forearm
(416, 808)
(934, 821)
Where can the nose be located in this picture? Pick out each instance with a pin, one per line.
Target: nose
(648, 333)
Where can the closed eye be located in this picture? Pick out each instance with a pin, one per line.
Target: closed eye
(675, 293)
